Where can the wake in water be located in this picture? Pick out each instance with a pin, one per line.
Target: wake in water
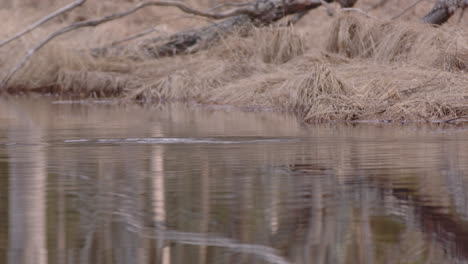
(179, 140)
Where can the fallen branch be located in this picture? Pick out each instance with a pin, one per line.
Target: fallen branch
(455, 119)
(260, 12)
(192, 40)
(381, 3)
(133, 37)
(266, 12)
(357, 10)
(409, 91)
(222, 5)
(114, 45)
(43, 20)
(345, 3)
(443, 10)
(297, 17)
(96, 22)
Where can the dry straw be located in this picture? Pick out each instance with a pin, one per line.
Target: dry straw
(344, 68)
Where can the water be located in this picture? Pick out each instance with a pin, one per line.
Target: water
(107, 183)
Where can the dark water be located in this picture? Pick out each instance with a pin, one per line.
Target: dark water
(106, 183)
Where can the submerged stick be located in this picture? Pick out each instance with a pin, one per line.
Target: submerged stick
(42, 21)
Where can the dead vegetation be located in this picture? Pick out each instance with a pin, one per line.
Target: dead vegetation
(348, 67)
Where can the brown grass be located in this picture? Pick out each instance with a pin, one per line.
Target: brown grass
(386, 42)
(343, 68)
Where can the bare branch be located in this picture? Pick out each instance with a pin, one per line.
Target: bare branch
(412, 90)
(103, 50)
(134, 36)
(260, 12)
(43, 20)
(346, 3)
(100, 51)
(222, 5)
(357, 10)
(96, 22)
(381, 3)
(407, 9)
(187, 9)
(456, 119)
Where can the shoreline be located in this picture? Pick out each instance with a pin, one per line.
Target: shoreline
(347, 68)
(60, 100)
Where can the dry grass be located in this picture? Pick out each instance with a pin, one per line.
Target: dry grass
(386, 42)
(343, 68)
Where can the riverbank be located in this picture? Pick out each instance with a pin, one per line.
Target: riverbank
(348, 67)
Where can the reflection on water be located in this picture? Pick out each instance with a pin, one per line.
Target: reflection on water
(104, 183)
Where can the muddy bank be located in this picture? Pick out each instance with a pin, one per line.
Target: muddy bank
(344, 68)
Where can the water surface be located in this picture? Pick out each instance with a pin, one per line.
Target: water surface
(109, 183)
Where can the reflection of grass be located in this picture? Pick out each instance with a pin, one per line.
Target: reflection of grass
(385, 229)
(4, 232)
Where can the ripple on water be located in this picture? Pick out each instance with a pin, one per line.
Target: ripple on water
(179, 140)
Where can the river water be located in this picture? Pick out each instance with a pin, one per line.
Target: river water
(102, 182)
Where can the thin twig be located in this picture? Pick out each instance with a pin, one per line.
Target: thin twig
(148, 31)
(378, 5)
(132, 37)
(454, 119)
(151, 30)
(221, 5)
(103, 49)
(96, 22)
(42, 21)
(411, 90)
(407, 9)
(360, 11)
